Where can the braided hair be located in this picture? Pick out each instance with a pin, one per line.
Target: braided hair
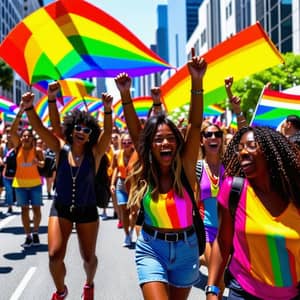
(282, 157)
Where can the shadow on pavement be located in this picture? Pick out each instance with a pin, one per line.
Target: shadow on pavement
(5, 270)
(20, 230)
(33, 250)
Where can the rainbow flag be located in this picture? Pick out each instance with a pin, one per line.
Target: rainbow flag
(247, 52)
(7, 106)
(75, 39)
(273, 107)
(74, 87)
(142, 106)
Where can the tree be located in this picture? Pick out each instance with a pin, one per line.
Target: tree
(281, 77)
(6, 76)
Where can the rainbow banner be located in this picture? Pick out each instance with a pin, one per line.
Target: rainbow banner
(74, 87)
(273, 107)
(75, 39)
(142, 106)
(246, 53)
(7, 106)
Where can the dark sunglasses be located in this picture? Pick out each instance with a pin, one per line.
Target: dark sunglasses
(127, 143)
(209, 134)
(85, 130)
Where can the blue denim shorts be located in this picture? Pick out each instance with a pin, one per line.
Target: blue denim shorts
(122, 197)
(175, 263)
(27, 196)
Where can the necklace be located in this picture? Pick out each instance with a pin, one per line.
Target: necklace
(213, 179)
(72, 207)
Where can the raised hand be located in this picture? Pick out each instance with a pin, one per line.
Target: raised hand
(197, 67)
(123, 82)
(53, 89)
(156, 94)
(26, 101)
(107, 101)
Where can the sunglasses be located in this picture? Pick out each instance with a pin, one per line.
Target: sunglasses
(127, 143)
(250, 146)
(85, 130)
(209, 134)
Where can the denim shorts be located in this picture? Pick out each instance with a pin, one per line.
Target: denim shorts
(27, 196)
(9, 190)
(174, 263)
(122, 197)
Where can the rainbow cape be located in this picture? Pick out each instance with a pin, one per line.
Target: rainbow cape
(75, 39)
(273, 107)
(247, 52)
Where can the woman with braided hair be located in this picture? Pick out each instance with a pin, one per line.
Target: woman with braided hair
(262, 233)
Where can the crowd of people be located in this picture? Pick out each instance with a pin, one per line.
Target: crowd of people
(245, 185)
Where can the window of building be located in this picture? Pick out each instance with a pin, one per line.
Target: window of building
(274, 36)
(285, 8)
(287, 45)
(286, 28)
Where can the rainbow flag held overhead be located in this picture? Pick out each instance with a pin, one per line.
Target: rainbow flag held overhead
(273, 107)
(246, 53)
(75, 39)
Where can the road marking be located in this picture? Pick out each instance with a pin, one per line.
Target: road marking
(18, 292)
(5, 221)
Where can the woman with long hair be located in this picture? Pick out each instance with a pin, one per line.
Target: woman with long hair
(167, 247)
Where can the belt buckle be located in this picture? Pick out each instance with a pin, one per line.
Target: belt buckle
(171, 234)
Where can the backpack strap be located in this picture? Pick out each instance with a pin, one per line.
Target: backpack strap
(235, 193)
(199, 169)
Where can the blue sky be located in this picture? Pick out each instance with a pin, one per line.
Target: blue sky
(139, 16)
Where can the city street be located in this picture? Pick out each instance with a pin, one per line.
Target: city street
(24, 273)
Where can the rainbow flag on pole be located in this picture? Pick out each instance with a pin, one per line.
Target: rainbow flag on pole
(246, 53)
(273, 107)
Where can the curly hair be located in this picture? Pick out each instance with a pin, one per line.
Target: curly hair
(83, 118)
(146, 170)
(282, 157)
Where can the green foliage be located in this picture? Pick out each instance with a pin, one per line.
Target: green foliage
(281, 77)
(6, 76)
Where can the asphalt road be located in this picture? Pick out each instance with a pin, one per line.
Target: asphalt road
(24, 274)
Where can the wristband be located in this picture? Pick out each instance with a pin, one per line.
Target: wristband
(197, 92)
(240, 114)
(108, 112)
(125, 103)
(29, 108)
(52, 101)
(212, 289)
(157, 104)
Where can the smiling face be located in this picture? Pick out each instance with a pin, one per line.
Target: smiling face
(164, 145)
(27, 139)
(81, 133)
(251, 157)
(212, 139)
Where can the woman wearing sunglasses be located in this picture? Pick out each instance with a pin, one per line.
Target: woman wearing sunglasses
(211, 174)
(167, 254)
(262, 233)
(78, 157)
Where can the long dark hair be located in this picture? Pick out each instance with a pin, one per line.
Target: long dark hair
(283, 161)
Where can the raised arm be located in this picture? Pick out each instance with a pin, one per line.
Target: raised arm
(53, 89)
(14, 128)
(123, 82)
(156, 98)
(105, 136)
(235, 103)
(45, 134)
(197, 68)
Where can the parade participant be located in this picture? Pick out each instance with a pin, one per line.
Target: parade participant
(27, 181)
(120, 163)
(291, 129)
(78, 157)
(261, 229)
(167, 247)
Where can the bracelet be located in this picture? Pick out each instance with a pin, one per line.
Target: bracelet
(52, 101)
(108, 112)
(197, 92)
(29, 108)
(125, 103)
(212, 289)
(240, 114)
(157, 104)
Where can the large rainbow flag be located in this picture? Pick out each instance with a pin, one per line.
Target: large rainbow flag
(273, 107)
(246, 53)
(75, 39)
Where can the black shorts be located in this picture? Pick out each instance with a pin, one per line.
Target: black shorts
(83, 214)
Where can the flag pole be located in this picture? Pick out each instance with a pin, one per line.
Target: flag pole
(267, 86)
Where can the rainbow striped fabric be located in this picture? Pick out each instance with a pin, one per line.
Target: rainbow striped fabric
(273, 107)
(266, 260)
(247, 52)
(85, 42)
